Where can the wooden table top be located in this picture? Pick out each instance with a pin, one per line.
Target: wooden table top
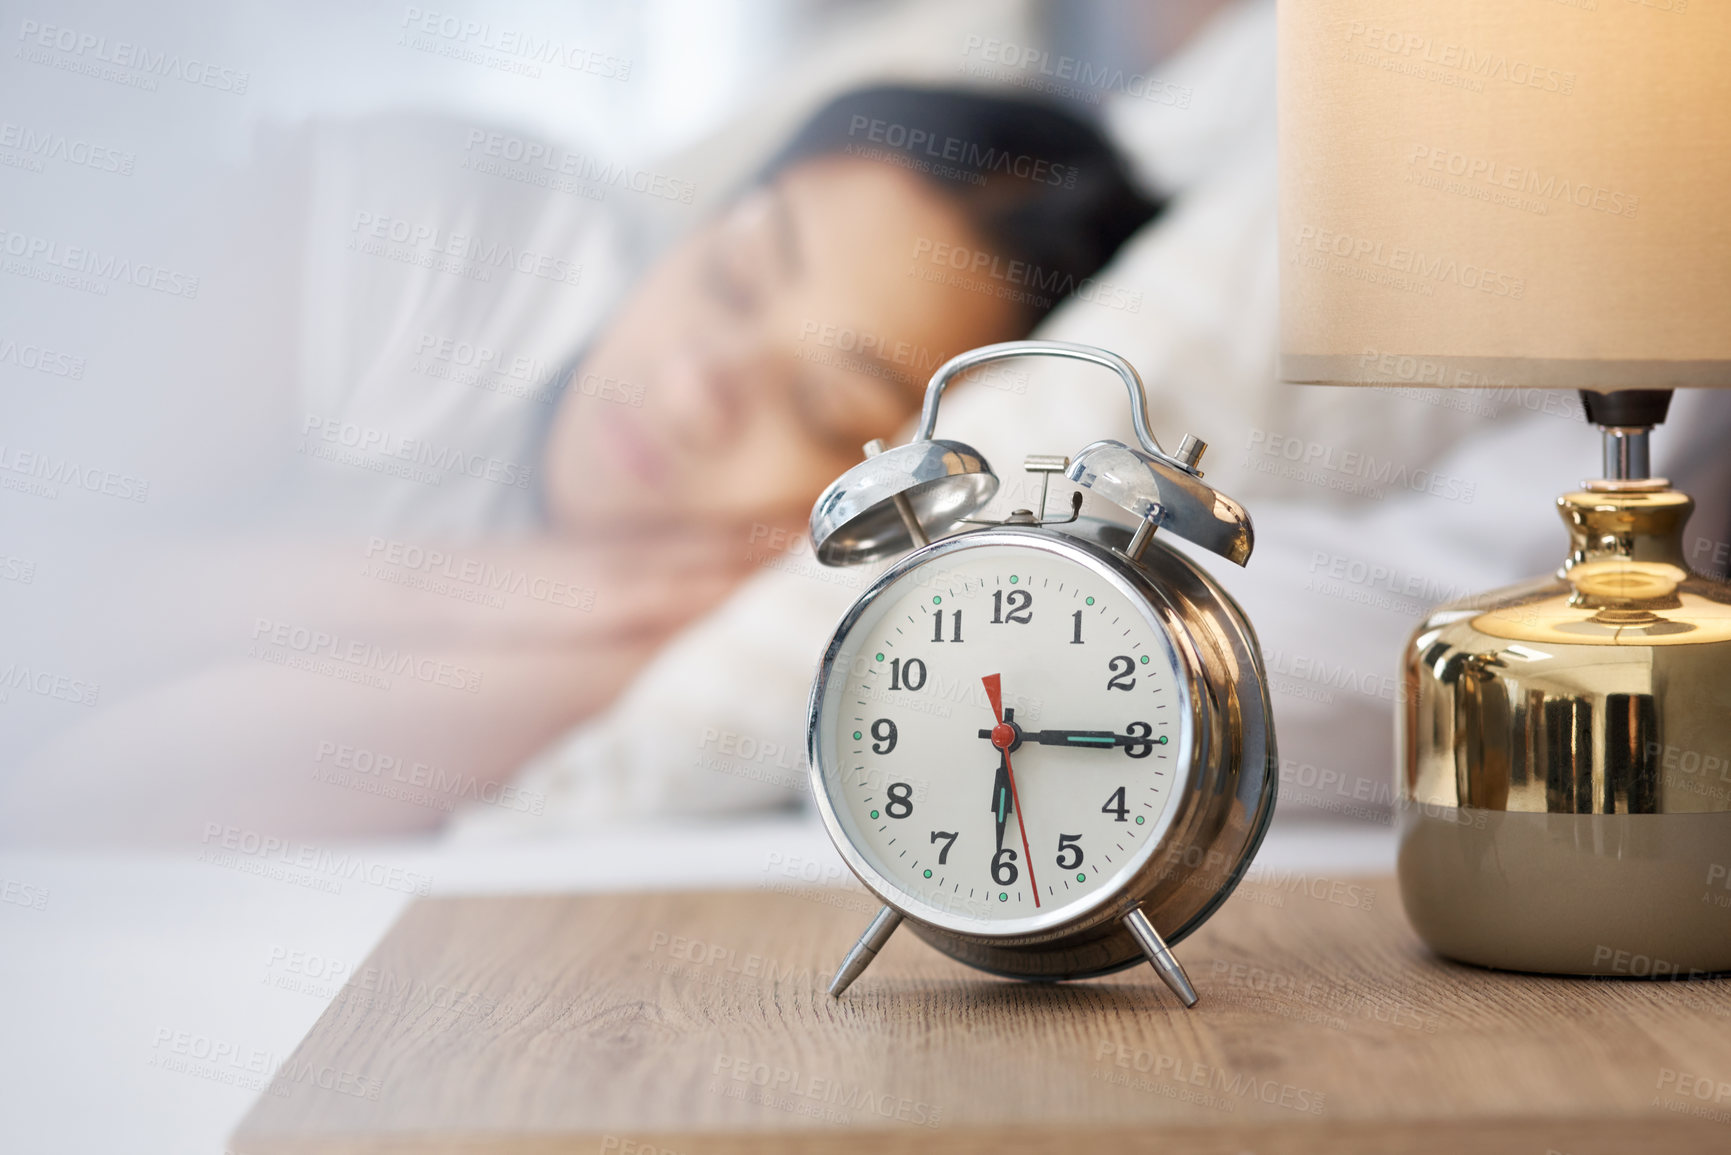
(658, 1023)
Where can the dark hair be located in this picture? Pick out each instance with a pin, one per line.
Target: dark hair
(1042, 186)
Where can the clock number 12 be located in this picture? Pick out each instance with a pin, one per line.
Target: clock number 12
(1021, 611)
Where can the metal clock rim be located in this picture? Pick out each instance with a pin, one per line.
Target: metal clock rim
(1086, 910)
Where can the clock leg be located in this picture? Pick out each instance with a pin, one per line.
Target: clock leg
(1166, 966)
(866, 949)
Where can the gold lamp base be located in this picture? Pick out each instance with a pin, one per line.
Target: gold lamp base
(1566, 787)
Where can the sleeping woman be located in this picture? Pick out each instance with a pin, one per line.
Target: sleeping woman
(648, 515)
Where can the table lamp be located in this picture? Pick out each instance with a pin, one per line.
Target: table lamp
(1537, 194)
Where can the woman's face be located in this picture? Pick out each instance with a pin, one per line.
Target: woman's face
(766, 348)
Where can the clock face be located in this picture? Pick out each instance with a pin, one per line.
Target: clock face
(1001, 733)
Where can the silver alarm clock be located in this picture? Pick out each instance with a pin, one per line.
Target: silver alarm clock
(1045, 744)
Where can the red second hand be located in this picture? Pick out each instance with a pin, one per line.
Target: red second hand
(994, 695)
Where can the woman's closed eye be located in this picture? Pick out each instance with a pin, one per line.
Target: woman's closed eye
(750, 252)
(728, 281)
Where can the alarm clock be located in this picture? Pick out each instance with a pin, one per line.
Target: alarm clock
(1044, 743)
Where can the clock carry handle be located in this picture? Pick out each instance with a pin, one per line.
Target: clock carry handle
(1165, 490)
(1004, 350)
(907, 495)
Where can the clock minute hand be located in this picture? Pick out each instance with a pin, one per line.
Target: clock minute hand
(1104, 739)
(1101, 738)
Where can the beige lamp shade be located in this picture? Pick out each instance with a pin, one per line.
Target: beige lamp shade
(1506, 192)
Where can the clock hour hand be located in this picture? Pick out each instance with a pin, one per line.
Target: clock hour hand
(1001, 797)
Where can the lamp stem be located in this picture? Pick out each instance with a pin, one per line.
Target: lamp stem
(1626, 452)
(1626, 417)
